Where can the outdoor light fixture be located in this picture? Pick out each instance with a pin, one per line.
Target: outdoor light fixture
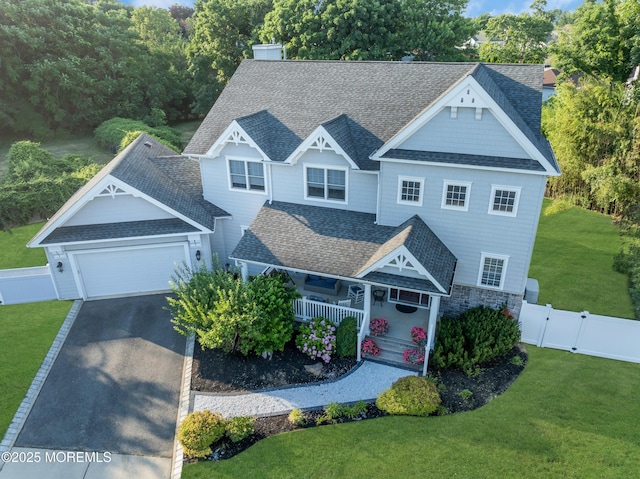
(59, 266)
(198, 255)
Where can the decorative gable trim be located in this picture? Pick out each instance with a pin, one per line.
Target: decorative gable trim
(468, 93)
(107, 186)
(320, 140)
(235, 135)
(401, 259)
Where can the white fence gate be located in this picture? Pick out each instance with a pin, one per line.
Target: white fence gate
(26, 285)
(584, 333)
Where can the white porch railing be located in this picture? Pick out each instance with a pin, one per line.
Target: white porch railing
(307, 309)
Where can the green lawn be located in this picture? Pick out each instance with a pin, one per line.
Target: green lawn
(573, 258)
(27, 333)
(567, 416)
(14, 252)
(27, 329)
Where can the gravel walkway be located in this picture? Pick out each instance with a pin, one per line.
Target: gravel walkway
(366, 382)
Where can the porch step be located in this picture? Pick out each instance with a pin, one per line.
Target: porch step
(392, 352)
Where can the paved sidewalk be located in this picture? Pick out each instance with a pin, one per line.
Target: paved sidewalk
(366, 382)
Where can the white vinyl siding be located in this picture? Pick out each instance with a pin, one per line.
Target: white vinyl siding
(455, 195)
(493, 269)
(327, 184)
(410, 190)
(246, 175)
(504, 200)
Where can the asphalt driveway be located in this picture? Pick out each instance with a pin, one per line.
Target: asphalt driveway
(115, 384)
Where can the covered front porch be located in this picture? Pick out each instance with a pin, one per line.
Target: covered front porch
(344, 264)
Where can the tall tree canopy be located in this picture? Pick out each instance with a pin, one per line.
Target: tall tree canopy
(70, 65)
(434, 30)
(603, 42)
(335, 29)
(595, 133)
(522, 37)
(369, 29)
(224, 31)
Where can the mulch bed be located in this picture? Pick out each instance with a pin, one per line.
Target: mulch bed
(216, 372)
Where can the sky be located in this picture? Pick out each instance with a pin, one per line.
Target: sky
(475, 7)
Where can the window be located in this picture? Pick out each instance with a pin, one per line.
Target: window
(411, 297)
(492, 270)
(410, 190)
(326, 184)
(504, 200)
(246, 175)
(455, 195)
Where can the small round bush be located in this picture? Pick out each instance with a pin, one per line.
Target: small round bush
(199, 430)
(347, 337)
(240, 427)
(296, 417)
(411, 396)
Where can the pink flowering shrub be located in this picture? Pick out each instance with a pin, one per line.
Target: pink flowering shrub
(379, 327)
(413, 356)
(317, 339)
(419, 336)
(370, 347)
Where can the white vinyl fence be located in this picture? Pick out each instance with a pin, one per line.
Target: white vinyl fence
(26, 285)
(584, 333)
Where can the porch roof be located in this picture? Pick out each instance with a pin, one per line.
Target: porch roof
(342, 243)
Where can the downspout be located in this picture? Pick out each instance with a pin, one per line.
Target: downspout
(269, 172)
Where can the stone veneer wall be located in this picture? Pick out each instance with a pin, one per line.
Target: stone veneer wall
(466, 297)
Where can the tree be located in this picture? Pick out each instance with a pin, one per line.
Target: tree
(523, 37)
(70, 65)
(595, 133)
(225, 312)
(183, 15)
(434, 30)
(604, 41)
(160, 33)
(224, 31)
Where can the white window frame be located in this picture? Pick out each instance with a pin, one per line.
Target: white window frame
(326, 198)
(414, 179)
(516, 201)
(246, 173)
(445, 187)
(503, 272)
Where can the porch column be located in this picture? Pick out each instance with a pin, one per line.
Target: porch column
(367, 300)
(244, 271)
(434, 309)
(433, 318)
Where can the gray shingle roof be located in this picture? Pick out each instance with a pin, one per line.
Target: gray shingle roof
(157, 171)
(275, 139)
(126, 229)
(374, 99)
(463, 159)
(338, 242)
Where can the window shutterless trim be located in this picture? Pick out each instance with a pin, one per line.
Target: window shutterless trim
(445, 195)
(489, 262)
(326, 185)
(507, 204)
(246, 177)
(410, 190)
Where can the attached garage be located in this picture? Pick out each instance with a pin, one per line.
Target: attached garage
(124, 271)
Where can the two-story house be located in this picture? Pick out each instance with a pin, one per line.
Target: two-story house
(410, 184)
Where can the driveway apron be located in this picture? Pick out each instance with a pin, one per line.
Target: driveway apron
(115, 384)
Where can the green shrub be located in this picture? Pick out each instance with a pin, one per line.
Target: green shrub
(37, 183)
(465, 394)
(199, 430)
(475, 337)
(347, 337)
(227, 313)
(111, 133)
(239, 427)
(410, 395)
(296, 417)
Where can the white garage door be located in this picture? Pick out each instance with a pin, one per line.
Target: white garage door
(120, 271)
